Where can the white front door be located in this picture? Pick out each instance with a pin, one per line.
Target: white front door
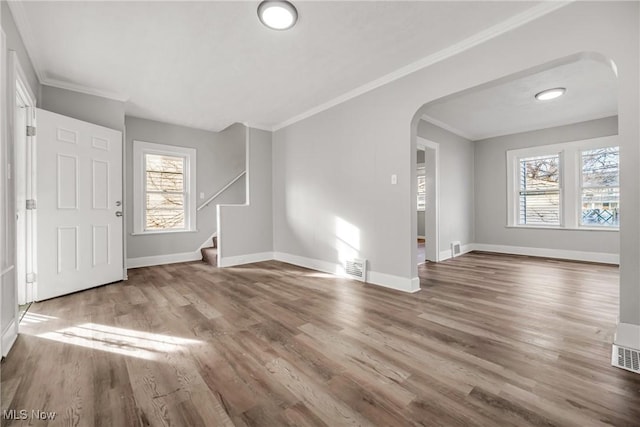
(79, 198)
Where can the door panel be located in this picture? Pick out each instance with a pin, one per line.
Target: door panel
(79, 183)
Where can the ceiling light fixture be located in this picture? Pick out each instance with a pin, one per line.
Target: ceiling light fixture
(277, 14)
(549, 94)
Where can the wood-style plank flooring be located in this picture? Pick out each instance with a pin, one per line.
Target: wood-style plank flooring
(490, 340)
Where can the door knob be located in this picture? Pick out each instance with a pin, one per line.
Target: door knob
(119, 213)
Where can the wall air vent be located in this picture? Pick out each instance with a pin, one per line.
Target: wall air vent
(356, 268)
(626, 358)
(456, 249)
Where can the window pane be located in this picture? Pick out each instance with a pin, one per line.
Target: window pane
(164, 173)
(421, 184)
(600, 167)
(540, 190)
(162, 163)
(540, 173)
(540, 209)
(165, 181)
(164, 201)
(600, 206)
(164, 219)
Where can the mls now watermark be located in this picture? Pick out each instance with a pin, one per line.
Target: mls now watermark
(24, 414)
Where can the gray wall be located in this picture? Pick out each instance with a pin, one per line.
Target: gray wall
(456, 184)
(14, 42)
(338, 163)
(248, 229)
(89, 108)
(491, 192)
(220, 157)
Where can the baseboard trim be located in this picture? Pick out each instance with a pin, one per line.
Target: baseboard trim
(231, 261)
(9, 336)
(313, 264)
(627, 335)
(374, 278)
(148, 261)
(445, 255)
(600, 257)
(394, 282)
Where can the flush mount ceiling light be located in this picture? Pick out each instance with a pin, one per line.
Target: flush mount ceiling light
(549, 94)
(277, 14)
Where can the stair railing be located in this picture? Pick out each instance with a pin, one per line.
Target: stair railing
(222, 190)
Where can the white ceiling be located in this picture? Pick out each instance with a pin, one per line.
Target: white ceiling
(510, 106)
(210, 64)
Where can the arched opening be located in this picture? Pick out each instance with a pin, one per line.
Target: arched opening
(478, 131)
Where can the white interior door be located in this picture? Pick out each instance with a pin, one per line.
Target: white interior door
(79, 187)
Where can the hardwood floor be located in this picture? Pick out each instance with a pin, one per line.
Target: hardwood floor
(490, 340)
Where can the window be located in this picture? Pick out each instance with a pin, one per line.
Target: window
(600, 187)
(572, 185)
(539, 190)
(164, 182)
(422, 188)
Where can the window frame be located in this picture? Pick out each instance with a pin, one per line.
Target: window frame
(570, 179)
(140, 150)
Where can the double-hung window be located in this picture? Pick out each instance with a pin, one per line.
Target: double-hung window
(573, 185)
(164, 188)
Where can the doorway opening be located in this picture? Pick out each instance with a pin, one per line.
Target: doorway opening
(427, 165)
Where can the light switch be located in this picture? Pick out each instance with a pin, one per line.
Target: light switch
(201, 195)
(394, 179)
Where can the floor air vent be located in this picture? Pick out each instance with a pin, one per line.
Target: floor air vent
(356, 269)
(456, 249)
(626, 358)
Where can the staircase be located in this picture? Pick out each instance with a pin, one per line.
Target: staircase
(210, 254)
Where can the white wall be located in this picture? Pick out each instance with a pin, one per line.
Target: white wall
(338, 163)
(456, 185)
(491, 188)
(245, 232)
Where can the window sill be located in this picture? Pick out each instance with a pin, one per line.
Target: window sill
(545, 227)
(151, 233)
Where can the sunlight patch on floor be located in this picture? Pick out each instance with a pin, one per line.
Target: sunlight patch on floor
(35, 318)
(128, 342)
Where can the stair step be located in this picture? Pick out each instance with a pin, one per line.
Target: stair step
(210, 256)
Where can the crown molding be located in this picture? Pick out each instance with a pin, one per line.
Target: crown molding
(115, 96)
(514, 22)
(447, 127)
